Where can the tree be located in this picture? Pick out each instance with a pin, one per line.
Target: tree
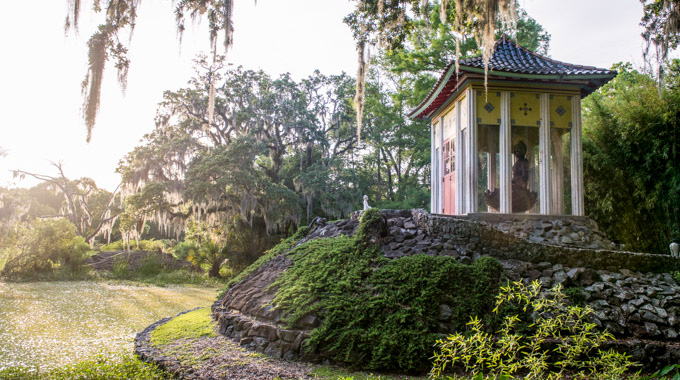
(108, 42)
(210, 254)
(388, 23)
(661, 21)
(373, 21)
(631, 161)
(43, 244)
(251, 157)
(225, 180)
(398, 80)
(90, 209)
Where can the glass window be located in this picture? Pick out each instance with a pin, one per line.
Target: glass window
(560, 154)
(525, 173)
(488, 163)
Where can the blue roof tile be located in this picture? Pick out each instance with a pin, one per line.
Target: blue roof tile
(510, 57)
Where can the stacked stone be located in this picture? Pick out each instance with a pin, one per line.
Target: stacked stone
(406, 237)
(640, 308)
(320, 228)
(267, 337)
(627, 303)
(636, 304)
(566, 231)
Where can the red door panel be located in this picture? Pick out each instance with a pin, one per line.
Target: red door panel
(449, 158)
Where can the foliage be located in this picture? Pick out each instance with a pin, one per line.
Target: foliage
(671, 372)
(631, 159)
(661, 23)
(567, 330)
(338, 373)
(194, 324)
(210, 254)
(227, 175)
(152, 265)
(388, 24)
(88, 207)
(101, 367)
(378, 313)
(109, 43)
(141, 245)
(163, 278)
(371, 223)
(184, 249)
(44, 245)
(120, 269)
(575, 295)
(278, 249)
(273, 144)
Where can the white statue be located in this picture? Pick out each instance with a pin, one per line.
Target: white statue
(675, 247)
(366, 206)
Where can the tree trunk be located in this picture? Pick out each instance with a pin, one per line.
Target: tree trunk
(379, 184)
(215, 269)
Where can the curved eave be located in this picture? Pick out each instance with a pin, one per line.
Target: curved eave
(595, 81)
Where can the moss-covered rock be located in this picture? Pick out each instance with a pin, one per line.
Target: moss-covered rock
(194, 324)
(361, 307)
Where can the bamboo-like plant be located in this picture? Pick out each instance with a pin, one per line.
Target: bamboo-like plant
(562, 340)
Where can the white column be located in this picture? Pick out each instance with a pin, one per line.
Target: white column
(577, 207)
(433, 172)
(557, 163)
(505, 149)
(440, 167)
(459, 176)
(544, 155)
(471, 185)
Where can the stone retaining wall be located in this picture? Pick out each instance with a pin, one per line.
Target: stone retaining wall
(150, 354)
(569, 231)
(632, 293)
(244, 314)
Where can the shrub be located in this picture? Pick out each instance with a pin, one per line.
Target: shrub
(210, 255)
(562, 341)
(144, 245)
(120, 267)
(375, 312)
(671, 372)
(44, 245)
(152, 265)
(184, 249)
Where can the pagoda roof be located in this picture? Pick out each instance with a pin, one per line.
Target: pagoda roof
(511, 62)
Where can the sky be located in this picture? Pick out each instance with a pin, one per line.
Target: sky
(41, 68)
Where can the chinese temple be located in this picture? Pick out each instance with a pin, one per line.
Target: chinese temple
(512, 144)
